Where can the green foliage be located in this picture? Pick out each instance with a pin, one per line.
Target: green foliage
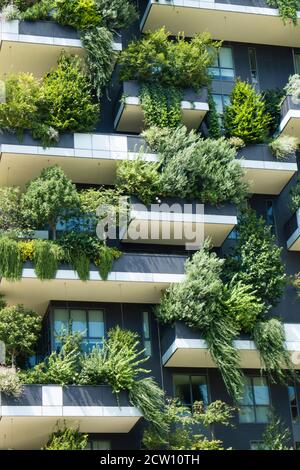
(48, 198)
(9, 382)
(116, 14)
(246, 116)
(67, 95)
(284, 146)
(91, 199)
(67, 439)
(40, 10)
(178, 431)
(295, 196)
(198, 302)
(117, 363)
(273, 99)
(269, 338)
(213, 122)
(23, 98)
(11, 264)
(243, 304)
(287, 9)
(276, 436)
(138, 178)
(61, 367)
(19, 330)
(10, 209)
(46, 258)
(176, 63)
(292, 88)
(80, 14)
(146, 395)
(196, 168)
(161, 105)
(99, 57)
(256, 259)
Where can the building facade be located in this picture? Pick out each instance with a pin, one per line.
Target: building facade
(257, 48)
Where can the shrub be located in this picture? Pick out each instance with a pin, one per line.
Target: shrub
(19, 330)
(284, 146)
(26, 248)
(68, 100)
(9, 382)
(40, 10)
(46, 258)
(99, 57)
(293, 87)
(67, 439)
(295, 196)
(177, 63)
(198, 302)
(236, 142)
(138, 178)
(287, 9)
(256, 259)
(273, 100)
(276, 436)
(116, 14)
(146, 395)
(246, 116)
(48, 198)
(196, 168)
(213, 121)
(269, 338)
(23, 98)
(11, 264)
(161, 106)
(80, 14)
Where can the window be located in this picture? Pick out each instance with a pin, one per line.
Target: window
(253, 65)
(297, 62)
(221, 101)
(191, 388)
(147, 334)
(98, 444)
(90, 323)
(293, 403)
(223, 68)
(254, 406)
(270, 220)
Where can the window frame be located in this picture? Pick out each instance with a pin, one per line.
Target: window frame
(220, 78)
(294, 60)
(254, 406)
(86, 338)
(255, 84)
(297, 421)
(147, 339)
(190, 375)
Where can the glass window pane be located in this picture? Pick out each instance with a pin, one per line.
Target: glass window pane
(182, 388)
(227, 74)
(261, 391)
(226, 100)
(218, 102)
(246, 414)
(297, 63)
(292, 394)
(61, 321)
(225, 57)
(96, 323)
(147, 347)
(199, 388)
(146, 325)
(101, 445)
(215, 72)
(247, 398)
(262, 414)
(78, 319)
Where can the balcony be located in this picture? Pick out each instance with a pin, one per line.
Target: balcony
(184, 347)
(179, 222)
(293, 232)
(264, 172)
(85, 158)
(35, 46)
(290, 117)
(228, 20)
(135, 278)
(129, 115)
(27, 421)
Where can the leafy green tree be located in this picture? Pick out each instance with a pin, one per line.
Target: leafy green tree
(19, 330)
(273, 99)
(180, 423)
(48, 198)
(10, 209)
(213, 122)
(246, 115)
(68, 102)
